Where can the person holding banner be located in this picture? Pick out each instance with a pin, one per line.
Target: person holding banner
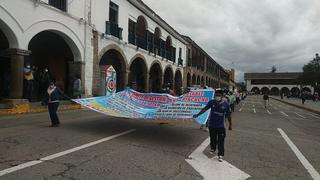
(220, 109)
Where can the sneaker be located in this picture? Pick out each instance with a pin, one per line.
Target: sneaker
(212, 151)
(206, 129)
(220, 158)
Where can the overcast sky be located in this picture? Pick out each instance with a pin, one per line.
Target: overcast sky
(249, 35)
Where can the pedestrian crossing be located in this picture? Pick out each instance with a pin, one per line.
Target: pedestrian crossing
(276, 109)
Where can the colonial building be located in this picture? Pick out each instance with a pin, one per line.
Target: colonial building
(275, 83)
(71, 37)
(202, 69)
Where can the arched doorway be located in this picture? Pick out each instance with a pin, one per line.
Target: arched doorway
(141, 32)
(306, 89)
(256, 90)
(188, 80)
(202, 81)
(51, 51)
(275, 91)
(285, 91)
(295, 92)
(194, 79)
(4, 67)
(168, 77)
(138, 75)
(198, 80)
(116, 60)
(265, 90)
(178, 82)
(155, 78)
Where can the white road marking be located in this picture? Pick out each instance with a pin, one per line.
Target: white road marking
(253, 106)
(315, 116)
(268, 111)
(314, 174)
(284, 114)
(32, 163)
(211, 168)
(300, 115)
(254, 110)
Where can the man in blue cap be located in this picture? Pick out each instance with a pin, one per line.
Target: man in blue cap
(220, 109)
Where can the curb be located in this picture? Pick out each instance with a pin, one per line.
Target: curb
(26, 108)
(298, 106)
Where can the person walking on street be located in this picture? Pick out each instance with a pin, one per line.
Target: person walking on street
(265, 100)
(76, 88)
(52, 100)
(220, 109)
(303, 97)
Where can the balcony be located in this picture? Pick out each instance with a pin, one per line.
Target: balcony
(113, 29)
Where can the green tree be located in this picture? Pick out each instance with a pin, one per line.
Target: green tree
(311, 73)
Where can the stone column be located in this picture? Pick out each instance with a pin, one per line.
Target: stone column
(17, 65)
(147, 76)
(126, 77)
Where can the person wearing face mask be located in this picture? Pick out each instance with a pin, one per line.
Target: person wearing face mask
(44, 82)
(52, 100)
(27, 82)
(220, 109)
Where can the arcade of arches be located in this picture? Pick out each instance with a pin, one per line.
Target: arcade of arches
(294, 91)
(155, 78)
(138, 75)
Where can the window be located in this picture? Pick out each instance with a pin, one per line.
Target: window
(60, 4)
(132, 32)
(113, 13)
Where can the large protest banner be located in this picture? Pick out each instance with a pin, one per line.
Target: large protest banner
(132, 104)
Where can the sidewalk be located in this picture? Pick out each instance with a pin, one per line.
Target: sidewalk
(309, 105)
(36, 107)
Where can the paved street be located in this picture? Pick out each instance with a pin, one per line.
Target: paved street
(154, 150)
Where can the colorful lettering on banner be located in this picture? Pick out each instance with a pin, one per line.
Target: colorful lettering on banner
(132, 104)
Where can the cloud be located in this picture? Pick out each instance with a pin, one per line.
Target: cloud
(253, 35)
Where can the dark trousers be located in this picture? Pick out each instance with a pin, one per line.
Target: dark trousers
(217, 136)
(232, 107)
(53, 107)
(27, 89)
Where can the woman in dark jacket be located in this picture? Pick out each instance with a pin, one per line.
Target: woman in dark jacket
(52, 100)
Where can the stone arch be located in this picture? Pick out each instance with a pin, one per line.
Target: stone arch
(265, 90)
(71, 38)
(168, 77)
(138, 74)
(198, 80)
(274, 91)
(178, 82)
(189, 80)
(194, 79)
(155, 76)
(256, 90)
(202, 82)
(11, 28)
(307, 89)
(113, 57)
(285, 91)
(295, 91)
(119, 50)
(51, 49)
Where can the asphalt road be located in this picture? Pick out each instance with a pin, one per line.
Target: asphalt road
(155, 150)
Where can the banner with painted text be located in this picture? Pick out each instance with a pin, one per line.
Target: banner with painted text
(132, 104)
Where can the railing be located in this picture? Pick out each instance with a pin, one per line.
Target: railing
(59, 4)
(113, 29)
(141, 42)
(132, 38)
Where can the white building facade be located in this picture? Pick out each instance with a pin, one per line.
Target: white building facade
(71, 37)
